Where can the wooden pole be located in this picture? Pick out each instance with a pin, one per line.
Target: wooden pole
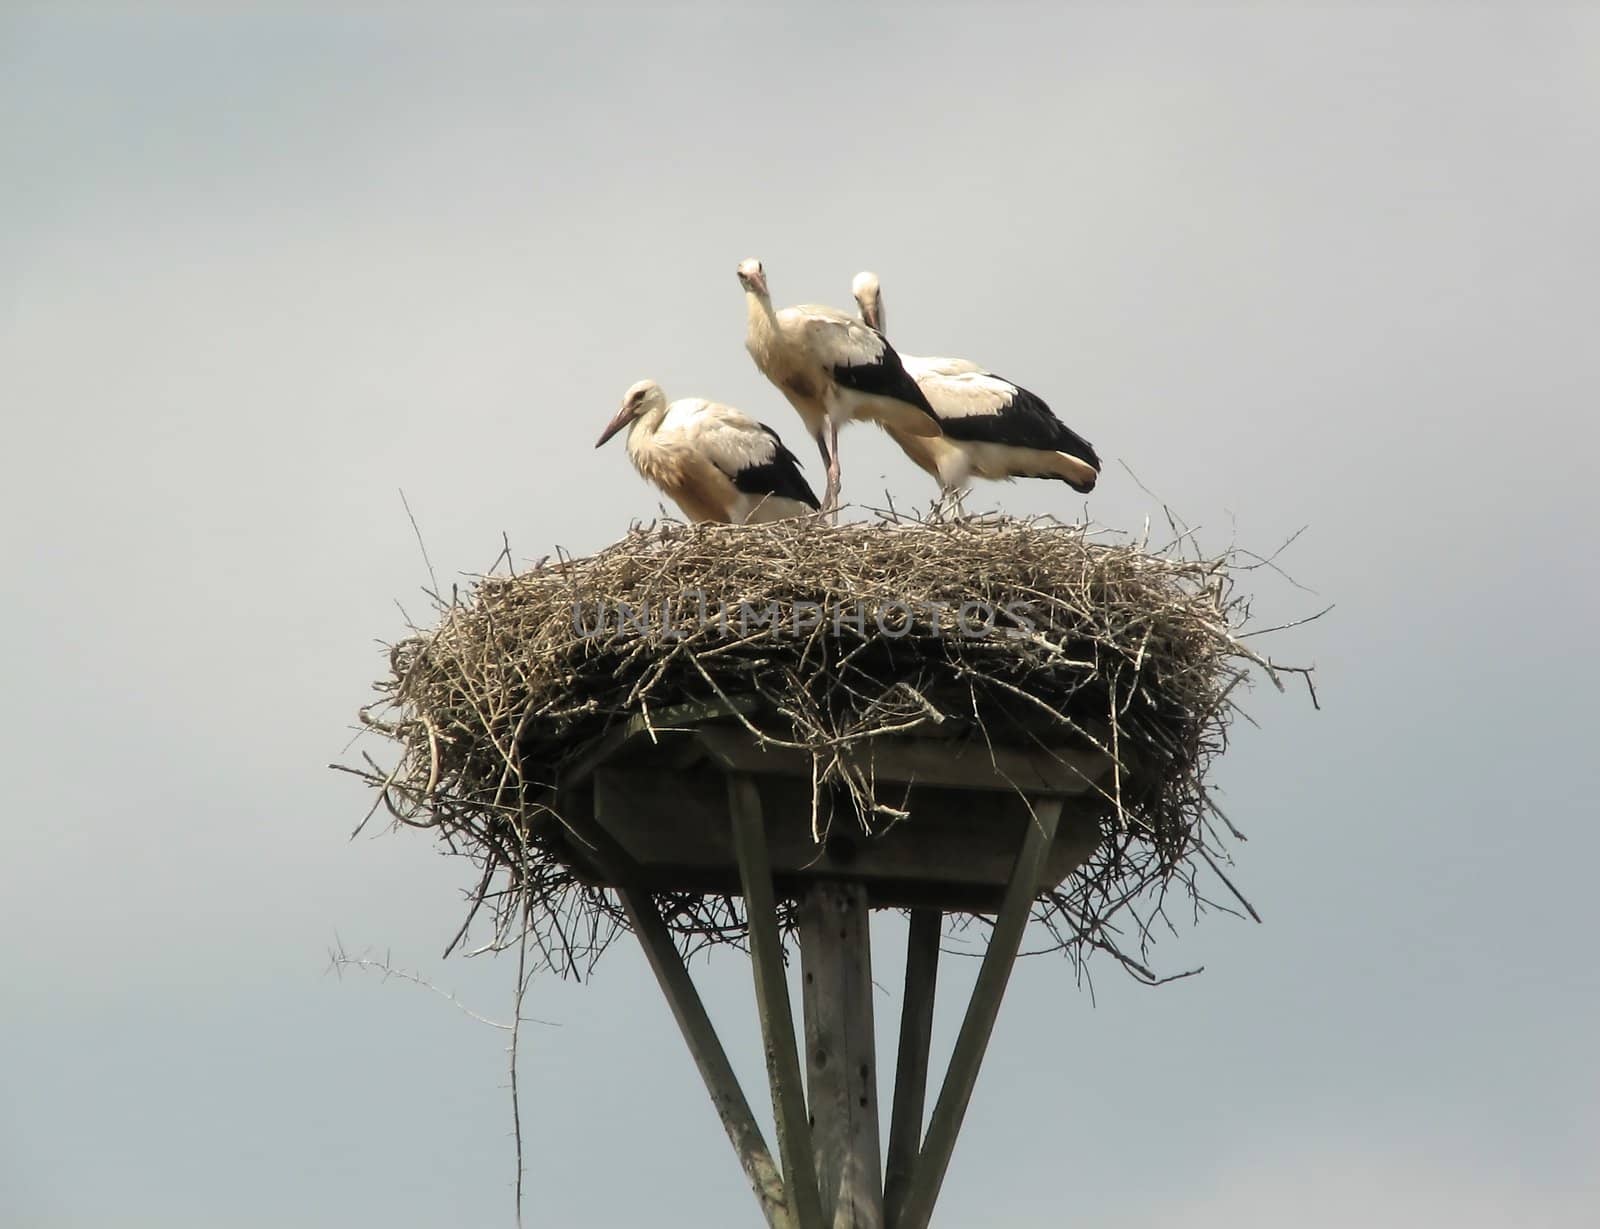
(911, 1065)
(841, 1053)
(978, 1025)
(772, 1003)
(694, 1023)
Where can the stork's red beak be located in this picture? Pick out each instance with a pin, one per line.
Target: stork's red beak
(623, 418)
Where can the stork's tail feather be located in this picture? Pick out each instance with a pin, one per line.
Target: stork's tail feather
(1077, 474)
(1074, 445)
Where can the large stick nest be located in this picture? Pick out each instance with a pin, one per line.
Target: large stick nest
(1031, 630)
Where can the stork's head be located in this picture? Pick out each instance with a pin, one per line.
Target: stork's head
(869, 298)
(753, 277)
(638, 401)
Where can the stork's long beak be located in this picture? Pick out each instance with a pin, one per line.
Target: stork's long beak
(623, 418)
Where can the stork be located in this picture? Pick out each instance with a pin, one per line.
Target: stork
(833, 370)
(714, 462)
(992, 428)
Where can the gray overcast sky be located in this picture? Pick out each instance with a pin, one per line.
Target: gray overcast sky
(1294, 267)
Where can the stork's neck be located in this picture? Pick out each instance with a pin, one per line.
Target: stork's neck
(642, 434)
(763, 320)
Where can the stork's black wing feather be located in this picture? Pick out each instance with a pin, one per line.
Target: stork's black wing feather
(885, 377)
(780, 477)
(1025, 422)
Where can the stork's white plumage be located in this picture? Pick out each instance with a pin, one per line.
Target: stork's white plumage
(832, 369)
(714, 462)
(992, 428)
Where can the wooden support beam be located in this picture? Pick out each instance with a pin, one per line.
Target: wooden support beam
(841, 1053)
(721, 1083)
(911, 1065)
(772, 1002)
(978, 1025)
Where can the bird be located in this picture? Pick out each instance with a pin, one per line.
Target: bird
(991, 427)
(833, 369)
(715, 462)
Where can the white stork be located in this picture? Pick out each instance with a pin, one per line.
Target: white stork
(832, 369)
(992, 428)
(712, 461)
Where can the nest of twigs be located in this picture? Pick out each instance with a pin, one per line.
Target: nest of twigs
(1030, 630)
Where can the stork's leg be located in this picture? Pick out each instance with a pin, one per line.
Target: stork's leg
(827, 466)
(828, 443)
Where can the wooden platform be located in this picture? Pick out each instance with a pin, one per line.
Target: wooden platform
(662, 796)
